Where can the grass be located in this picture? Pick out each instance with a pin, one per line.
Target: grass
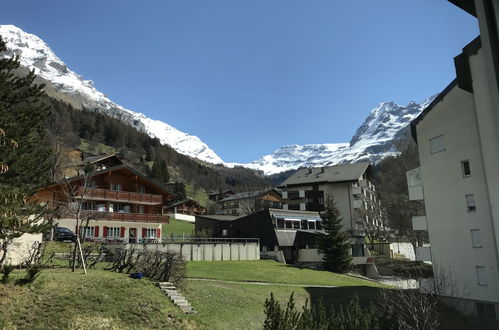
(270, 271)
(101, 299)
(178, 227)
(96, 148)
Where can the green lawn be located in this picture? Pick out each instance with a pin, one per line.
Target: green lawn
(178, 227)
(270, 271)
(101, 299)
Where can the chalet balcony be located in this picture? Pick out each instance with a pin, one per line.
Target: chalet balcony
(190, 210)
(135, 217)
(121, 196)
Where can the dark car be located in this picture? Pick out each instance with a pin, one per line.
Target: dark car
(64, 234)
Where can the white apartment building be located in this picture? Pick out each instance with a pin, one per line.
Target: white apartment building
(458, 178)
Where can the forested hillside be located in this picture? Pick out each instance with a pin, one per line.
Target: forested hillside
(92, 131)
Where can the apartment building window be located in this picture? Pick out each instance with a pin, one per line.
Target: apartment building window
(470, 202)
(437, 144)
(113, 232)
(465, 167)
(117, 187)
(89, 231)
(481, 275)
(475, 238)
(294, 194)
(486, 311)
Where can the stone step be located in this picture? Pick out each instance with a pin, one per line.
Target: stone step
(168, 287)
(165, 283)
(180, 302)
(176, 297)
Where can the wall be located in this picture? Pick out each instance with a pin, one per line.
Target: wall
(19, 250)
(193, 251)
(183, 217)
(449, 222)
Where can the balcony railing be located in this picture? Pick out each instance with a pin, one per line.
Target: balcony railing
(121, 196)
(135, 217)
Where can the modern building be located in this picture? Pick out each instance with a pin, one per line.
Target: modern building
(285, 235)
(122, 203)
(458, 177)
(348, 184)
(251, 201)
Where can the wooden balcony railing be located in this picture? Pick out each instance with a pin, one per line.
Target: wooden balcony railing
(125, 196)
(136, 217)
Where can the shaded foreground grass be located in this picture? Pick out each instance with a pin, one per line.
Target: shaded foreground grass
(101, 299)
(270, 271)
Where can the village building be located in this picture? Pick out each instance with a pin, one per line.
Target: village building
(218, 195)
(185, 210)
(458, 181)
(251, 201)
(124, 204)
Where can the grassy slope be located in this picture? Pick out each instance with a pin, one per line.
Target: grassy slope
(178, 227)
(101, 299)
(270, 271)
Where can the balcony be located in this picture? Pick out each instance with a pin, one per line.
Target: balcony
(415, 185)
(419, 223)
(357, 191)
(121, 196)
(134, 217)
(423, 253)
(357, 204)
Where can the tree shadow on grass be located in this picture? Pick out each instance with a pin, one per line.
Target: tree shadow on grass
(342, 295)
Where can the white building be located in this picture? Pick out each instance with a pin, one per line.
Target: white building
(458, 141)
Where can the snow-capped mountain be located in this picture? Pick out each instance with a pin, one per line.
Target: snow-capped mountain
(377, 137)
(35, 54)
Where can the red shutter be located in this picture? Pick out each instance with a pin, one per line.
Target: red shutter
(122, 233)
(158, 233)
(143, 232)
(96, 231)
(104, 232)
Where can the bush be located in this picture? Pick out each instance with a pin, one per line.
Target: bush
(158, 265)
(6, 270)
(351, 317)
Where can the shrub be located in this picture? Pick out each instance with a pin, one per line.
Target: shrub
(6, 270)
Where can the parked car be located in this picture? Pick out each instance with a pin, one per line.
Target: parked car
(64, 234)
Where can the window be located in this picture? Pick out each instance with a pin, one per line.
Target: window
(117, 207)
(280, 223)
(140, 209)
(91, 184)
(289, 224)
(465, 167)
(117, 187)
(304, 224)
(142, 189)
(296, 224)
(150, 233)
(113, 232)
(470, 202)
(437, 144)
(311, 225)
(475, 238)
(294, 194)
(89, 231)
(88, 206)
(485, 311)
(481, 275)
(357, 250)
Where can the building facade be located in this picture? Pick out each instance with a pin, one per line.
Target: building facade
(458, 142)
(250, 202)
(122, 204)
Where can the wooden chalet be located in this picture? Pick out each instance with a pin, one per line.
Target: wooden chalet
(126, 205)
(187, 207)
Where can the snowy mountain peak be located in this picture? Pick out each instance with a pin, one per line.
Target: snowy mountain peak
(36, 55)
(376, 138)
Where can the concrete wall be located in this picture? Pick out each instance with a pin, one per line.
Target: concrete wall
(309, 255)
(183, 217)
(209, 251)
(20, 248)
(449, 221)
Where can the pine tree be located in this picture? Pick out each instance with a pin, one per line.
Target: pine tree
(24, 158)
(334, 243)
(22, 119)
(179, 192)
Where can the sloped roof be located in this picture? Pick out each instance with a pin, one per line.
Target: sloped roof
(192, 201)
(337, 173)
(247, 194)
(291, 214)
(219, 217)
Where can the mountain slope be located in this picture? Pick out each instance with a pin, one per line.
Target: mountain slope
(36, 55)
(378, 137)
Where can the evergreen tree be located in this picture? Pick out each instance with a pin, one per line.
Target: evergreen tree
(179, 192)
(334, 243)
(24, 160)
(160, 172)
(22, 119)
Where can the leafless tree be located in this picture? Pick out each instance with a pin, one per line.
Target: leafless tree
(76, 196)
(371, 217)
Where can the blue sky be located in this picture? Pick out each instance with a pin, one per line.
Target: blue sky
(249, 76)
